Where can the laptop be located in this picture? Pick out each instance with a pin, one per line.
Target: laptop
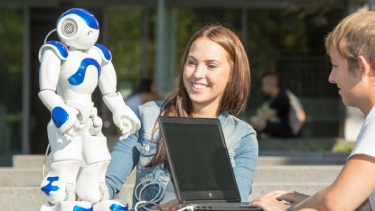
(200, 165)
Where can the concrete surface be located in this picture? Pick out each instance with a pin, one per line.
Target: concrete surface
(274, 171)
(31, 198)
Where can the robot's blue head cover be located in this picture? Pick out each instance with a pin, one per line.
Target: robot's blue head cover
(84, 14)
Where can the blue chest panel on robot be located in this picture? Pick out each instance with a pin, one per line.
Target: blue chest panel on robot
(117, 207)
(78, 77)
(106, 52)
(49, 187)
(79, 208)
(61, 47)
(85, 15)
(59, 116)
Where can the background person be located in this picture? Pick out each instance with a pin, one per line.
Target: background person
(351, 49)
(145, 92)
(277, 119)
(214, 82)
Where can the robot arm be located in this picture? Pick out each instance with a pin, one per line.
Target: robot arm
(63, 116)
(123, 116)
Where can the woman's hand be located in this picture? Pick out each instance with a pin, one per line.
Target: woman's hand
(172, 205)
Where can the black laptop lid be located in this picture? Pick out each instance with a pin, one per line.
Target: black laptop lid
(199, 160)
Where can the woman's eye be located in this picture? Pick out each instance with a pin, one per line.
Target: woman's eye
(191, 62)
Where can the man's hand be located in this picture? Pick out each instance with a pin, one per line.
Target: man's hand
(290, 196)
(258, 124)
(172, 205)
(269, 204)
(272, 201)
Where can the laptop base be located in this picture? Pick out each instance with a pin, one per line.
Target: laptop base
(224, 207)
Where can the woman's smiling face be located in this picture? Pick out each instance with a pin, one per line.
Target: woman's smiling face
(206, 74)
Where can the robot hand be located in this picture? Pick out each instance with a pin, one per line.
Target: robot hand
(73, 131)
(125, 126)
(123, 116)
(97, 123)
(128, 124)
(66, 121)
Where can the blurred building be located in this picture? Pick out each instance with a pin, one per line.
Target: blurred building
(147, 37)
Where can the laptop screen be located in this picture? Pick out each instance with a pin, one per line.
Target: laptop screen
(200, 160)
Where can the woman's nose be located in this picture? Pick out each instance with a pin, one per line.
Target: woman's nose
(199, 71)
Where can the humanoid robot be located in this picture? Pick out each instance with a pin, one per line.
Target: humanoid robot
(69, 73)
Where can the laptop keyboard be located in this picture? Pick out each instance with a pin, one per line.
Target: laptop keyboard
(225, 206)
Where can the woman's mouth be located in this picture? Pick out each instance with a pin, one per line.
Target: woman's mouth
(199, 86)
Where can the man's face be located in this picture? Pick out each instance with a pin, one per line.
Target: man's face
(347, 82)
(268, 85)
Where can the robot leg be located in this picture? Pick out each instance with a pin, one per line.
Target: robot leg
(65, 158)
(68, 206)
(110, 205)
(91, 181)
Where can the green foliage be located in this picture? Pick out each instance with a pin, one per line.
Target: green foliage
(186, 27)
(124, 26)
(11, 66)
(11, 35)
(272, 33)
(11, 51)
(318, 9)
(343, 147)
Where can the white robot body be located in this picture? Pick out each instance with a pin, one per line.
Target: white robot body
(69, 73)
(81, 80)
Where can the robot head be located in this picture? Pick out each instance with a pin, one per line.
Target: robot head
(78, 28)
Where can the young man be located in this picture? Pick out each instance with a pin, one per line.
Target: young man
(351, 47)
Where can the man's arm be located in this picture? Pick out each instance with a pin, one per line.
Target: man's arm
(354, 184)
(268, 114)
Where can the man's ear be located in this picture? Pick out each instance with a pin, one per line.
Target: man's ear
(363, 66)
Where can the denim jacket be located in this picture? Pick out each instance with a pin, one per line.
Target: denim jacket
(138, 150)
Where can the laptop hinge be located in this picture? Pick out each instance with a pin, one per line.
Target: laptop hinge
(209, 201)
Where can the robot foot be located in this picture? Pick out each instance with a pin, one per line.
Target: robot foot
(111, 205)
(67, 206)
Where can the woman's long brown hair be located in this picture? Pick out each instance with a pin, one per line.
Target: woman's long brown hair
(234, 98)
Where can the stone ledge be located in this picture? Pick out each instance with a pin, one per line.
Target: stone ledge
(265, 158)
(266, 174)
(11, 177)
(305, 144)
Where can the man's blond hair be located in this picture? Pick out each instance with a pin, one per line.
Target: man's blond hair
(352, 37)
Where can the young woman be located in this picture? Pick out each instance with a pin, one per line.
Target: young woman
(214, 82)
